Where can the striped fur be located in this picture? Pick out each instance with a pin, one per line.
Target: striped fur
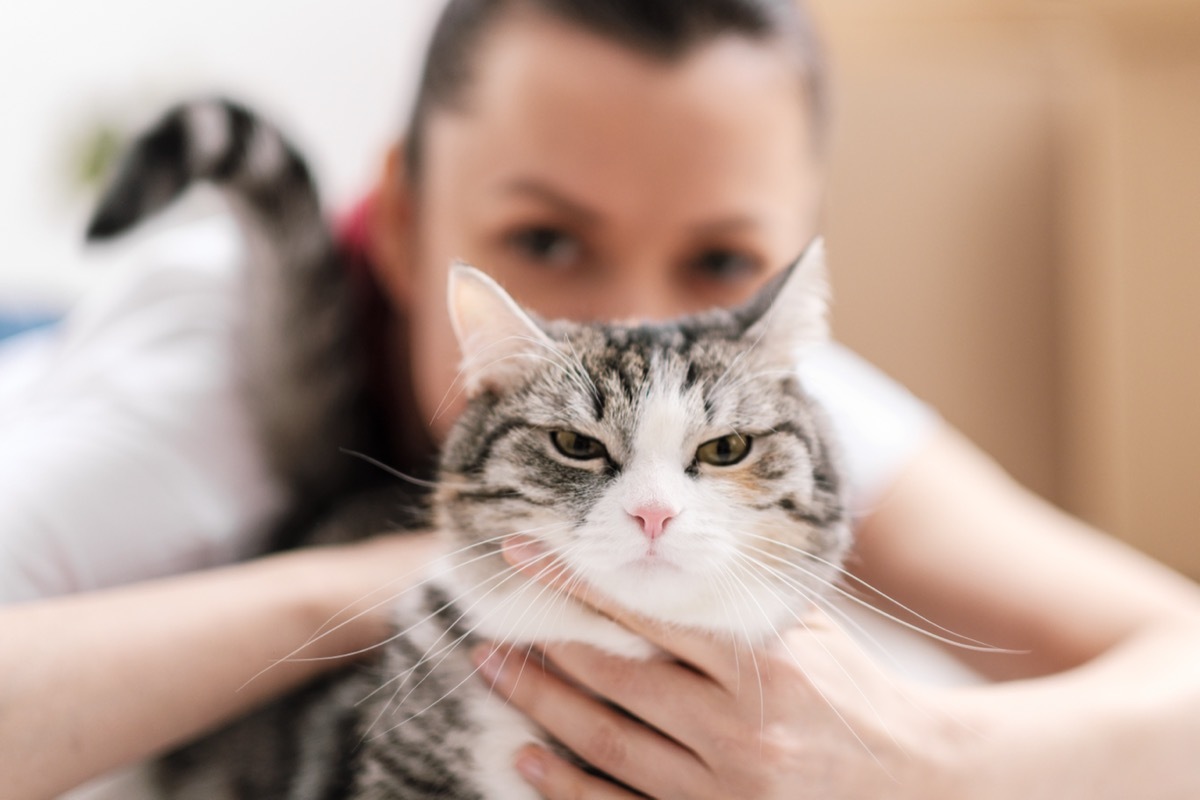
(651, 395)
(302, 370)
(749, 543)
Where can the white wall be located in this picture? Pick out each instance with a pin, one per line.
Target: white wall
(338, 76)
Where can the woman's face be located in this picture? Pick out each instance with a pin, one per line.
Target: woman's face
(593, 182)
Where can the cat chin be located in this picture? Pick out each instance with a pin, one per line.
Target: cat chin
(524, 612)
(706, 601)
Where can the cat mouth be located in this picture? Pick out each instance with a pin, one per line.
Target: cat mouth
(654, 561)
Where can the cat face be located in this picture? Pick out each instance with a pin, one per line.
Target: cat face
(679, 466)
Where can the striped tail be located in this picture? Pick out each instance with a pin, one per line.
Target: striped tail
(216, 141)
(304, 371)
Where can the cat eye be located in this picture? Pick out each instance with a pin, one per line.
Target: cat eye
(577, 446)
(725, 451)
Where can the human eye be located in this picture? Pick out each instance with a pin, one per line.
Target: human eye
(726, 265)
(546, 245)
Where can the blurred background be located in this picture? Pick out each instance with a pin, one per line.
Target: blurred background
(1013, 218)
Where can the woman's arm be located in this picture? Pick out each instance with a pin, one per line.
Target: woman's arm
(1106, 704)
(1106, 701)
(91, 682)
(963, 544)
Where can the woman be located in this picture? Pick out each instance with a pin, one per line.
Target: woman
(600, 168)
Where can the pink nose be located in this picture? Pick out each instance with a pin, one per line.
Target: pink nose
(653, 519)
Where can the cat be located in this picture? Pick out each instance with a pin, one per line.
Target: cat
(679, 467)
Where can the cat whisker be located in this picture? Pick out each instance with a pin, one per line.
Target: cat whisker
(324, 631)
(401, 679)
(966, 643)
(595, 390)
(795, 660)
(829, 610)
(738, 584)
(807, 555)
(746, 351)
(504, 576)
(815, 684)
(827, 607)
(441, 483)
(719, 581)
(743, 378)
(448, 399)
(573, 370)
(547, 609)
(390, 470)
(812, 599)
(445, 652)
(507, 574)
(573, 366)
(384, 642)
(465, 367)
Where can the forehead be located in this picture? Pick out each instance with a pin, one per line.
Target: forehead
(720, 131)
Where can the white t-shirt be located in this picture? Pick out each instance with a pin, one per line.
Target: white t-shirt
(126, 452)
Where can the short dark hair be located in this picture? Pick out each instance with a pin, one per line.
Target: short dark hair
(666, 29)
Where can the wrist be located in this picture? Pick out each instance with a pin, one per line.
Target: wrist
(1018, 740)
(949, 740)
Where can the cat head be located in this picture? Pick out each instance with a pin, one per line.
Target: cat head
(679, 467)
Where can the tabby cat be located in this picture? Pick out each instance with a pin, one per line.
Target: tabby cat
(680, 467)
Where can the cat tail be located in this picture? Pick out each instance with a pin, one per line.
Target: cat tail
(304, 370)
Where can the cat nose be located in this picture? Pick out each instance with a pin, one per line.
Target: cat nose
(653, 519)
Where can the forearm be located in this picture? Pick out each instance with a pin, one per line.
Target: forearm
(1124, 725)
(88, 683)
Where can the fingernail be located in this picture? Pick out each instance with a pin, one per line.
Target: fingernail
(491, 663)
(531, 766)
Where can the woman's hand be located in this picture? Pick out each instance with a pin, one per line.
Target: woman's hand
(809, 715)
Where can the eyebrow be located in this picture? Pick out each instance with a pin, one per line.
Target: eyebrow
(542, 191)
(584, 215)
(736, 222)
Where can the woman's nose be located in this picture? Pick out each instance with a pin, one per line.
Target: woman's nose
(644, 295)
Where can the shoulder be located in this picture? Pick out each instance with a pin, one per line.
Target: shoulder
(126, 446)
(879, 425)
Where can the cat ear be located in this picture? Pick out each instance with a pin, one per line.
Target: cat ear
(498, 340)
(791, 313)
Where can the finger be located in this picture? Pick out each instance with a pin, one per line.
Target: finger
(555, 778)
(665, 694)
(713, 656)
(608, 740)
